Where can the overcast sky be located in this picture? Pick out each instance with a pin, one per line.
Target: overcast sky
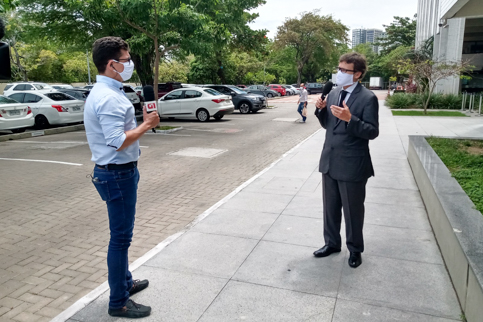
(352, 13)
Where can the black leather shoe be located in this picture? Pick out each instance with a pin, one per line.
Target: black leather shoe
(132, 310)
(326, 251)
(355, 259)
(138, 286)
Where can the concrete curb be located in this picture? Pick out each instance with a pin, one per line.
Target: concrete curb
(26, 135)
(169, 131)
(456, 224)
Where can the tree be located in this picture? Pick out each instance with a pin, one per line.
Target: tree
(311, 36)
(401, 32)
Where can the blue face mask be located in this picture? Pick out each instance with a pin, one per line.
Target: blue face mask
(343, 79)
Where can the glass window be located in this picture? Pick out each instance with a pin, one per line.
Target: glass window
(44, 86)
(212, 92)
(236, 90)
(31, 98)
(18, 97)
(163, 87)
(192, 94)
(29, 87)
(19, 88)
(7, 87)
(176, 95)
(7, 100)
(128, 89)
(59, 97)
(176, 86)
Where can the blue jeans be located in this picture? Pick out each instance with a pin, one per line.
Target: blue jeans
(118, 188)
(301, 107)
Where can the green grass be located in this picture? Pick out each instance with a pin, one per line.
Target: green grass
(464, 159)
(430, 113)
(165, 128)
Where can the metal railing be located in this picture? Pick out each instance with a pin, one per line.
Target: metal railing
(472, 102)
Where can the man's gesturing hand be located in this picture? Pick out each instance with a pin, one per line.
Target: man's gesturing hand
(342, 113)
(321, 103)
(151, 119)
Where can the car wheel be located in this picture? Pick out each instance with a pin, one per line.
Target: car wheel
(269, 95)
(218, 117)
(41, 122)
(244, 108)
(18, 130)
(202, 115)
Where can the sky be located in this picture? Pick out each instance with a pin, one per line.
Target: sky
(352, 13)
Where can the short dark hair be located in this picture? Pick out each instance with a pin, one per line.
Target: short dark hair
(359, 61)
(105, 49)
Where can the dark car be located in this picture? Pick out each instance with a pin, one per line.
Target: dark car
(165, 88)
(243, 101)
(80, 94)
(262, 90)
(314, 88)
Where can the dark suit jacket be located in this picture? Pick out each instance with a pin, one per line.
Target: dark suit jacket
(346, 149)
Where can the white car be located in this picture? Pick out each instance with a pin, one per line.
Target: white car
(15, 116)
(62, 86)
(132, 96)
(296, 90)
(52, 107)
(195, 102)
(26, 86)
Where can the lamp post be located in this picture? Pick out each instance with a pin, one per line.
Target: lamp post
(88, 66)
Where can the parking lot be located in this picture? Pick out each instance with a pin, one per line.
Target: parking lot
(53, 224)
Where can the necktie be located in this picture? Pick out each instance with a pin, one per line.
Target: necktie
(343, 94)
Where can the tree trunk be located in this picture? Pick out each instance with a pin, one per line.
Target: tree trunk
(299, 76)
(431, 89)
(144, 67)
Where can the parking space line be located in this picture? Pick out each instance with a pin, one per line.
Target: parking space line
(42, 161)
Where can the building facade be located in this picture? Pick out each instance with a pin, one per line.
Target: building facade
(364, 36)
(457, 28)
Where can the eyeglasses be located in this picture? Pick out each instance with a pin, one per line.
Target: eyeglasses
(127, 60)
(343, 70)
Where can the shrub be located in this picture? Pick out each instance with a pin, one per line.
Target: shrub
(437, 101)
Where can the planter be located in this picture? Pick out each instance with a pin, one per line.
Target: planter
(457, 225)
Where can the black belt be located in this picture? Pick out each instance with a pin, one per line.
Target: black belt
(125, 166)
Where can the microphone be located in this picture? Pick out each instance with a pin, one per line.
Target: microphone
(149, 100)
(327, 88)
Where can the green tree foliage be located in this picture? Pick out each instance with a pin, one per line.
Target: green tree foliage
(174, 71)
(401, 32)
(312, 36)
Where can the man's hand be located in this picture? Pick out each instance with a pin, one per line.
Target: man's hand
(150, 119)
(321, 103)
(342, 113)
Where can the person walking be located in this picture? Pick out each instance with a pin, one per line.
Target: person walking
(113, 137)
(345, 163)
(302, 102)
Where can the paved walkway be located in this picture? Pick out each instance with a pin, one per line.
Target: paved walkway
(250, 257)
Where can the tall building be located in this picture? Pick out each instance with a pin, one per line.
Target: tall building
(457, 28)
(363, 36)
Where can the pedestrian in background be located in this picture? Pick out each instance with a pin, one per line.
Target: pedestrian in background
(113, 137)
(302, 103)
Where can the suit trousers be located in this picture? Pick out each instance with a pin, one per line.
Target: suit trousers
(349, 196)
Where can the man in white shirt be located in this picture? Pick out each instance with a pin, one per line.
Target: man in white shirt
(303, 100)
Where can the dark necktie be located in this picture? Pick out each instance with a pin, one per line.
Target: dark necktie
(343, 94)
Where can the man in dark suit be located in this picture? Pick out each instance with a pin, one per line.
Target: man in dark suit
(350, 122)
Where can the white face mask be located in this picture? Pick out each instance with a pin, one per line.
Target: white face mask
(126, 74)
(344, 79)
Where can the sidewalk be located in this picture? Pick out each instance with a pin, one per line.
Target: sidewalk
(251, 258)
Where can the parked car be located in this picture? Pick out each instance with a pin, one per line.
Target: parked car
(243, 101)
(51, 107)
(80, 94)
(294, 89)
(133, 97)
(15, 116)
(288, 90)
(165, 88)
(62, 86)
(88, 87)
(262, 90)
(278, 88)
(243, 87)
(26, 86)
(314, 88)
(195, 102)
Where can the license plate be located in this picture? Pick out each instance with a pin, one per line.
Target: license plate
(76, 108)
(14, 112)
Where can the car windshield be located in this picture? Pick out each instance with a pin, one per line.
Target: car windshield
(237, 90)
(128, 89)
(59, 97)
(42, 86)
(212, 92)
(6, 100)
